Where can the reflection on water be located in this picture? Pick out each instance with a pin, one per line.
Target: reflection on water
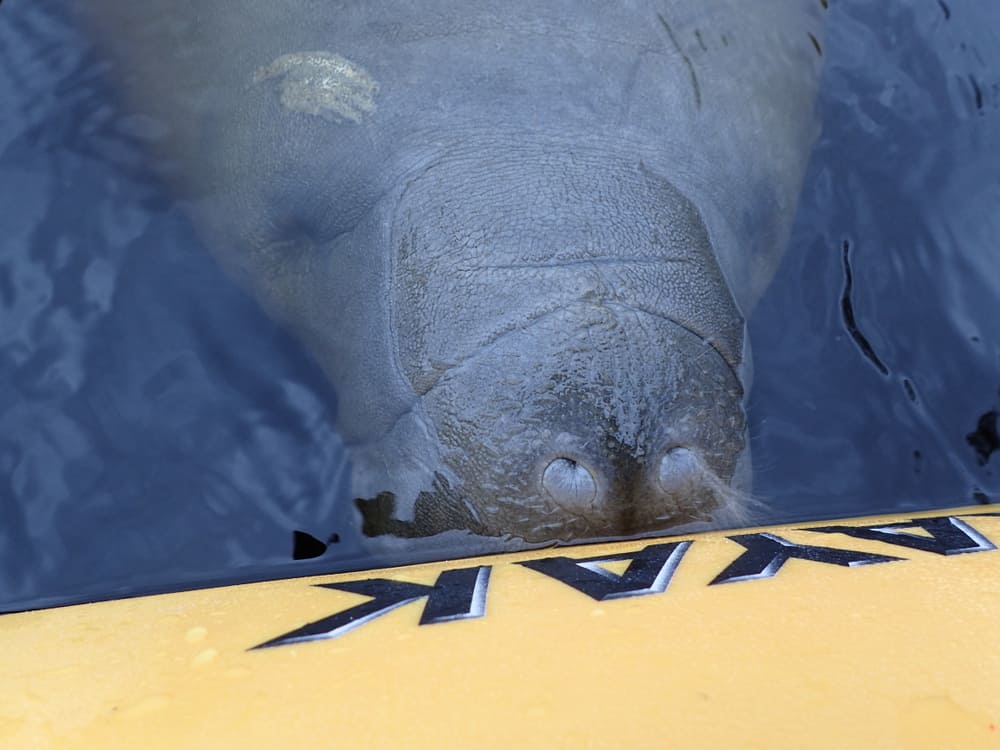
(154, 425)
(156, 428)
(877, 355)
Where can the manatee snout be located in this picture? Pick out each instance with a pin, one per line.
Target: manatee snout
(597, 421)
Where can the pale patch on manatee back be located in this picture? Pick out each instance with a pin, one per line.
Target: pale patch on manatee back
(322, 83)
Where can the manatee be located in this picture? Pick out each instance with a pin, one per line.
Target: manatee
(522, 239)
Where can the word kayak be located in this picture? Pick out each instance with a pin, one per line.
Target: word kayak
(461, 593)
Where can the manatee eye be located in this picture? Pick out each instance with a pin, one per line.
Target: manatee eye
(680, 469)
(569, 483)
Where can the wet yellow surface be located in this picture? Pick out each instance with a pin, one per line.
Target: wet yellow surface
(809, 639)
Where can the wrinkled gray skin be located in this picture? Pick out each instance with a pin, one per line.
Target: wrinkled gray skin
(520, 237)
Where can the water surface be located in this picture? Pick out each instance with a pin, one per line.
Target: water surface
(157, 430)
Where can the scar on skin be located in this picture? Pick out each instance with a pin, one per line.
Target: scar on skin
(687, 60)
(322, 83)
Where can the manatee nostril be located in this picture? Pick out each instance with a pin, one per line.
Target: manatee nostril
(569, 483)
(680, 470)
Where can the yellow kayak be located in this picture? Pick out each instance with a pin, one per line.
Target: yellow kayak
(869, 633)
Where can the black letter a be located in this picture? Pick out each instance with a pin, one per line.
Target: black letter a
(648, 573)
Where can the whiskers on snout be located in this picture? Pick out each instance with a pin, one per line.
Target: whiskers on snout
(690, 495)
(735, 507)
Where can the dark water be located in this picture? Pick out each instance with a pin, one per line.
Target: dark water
(157, 430)
(877, 350)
